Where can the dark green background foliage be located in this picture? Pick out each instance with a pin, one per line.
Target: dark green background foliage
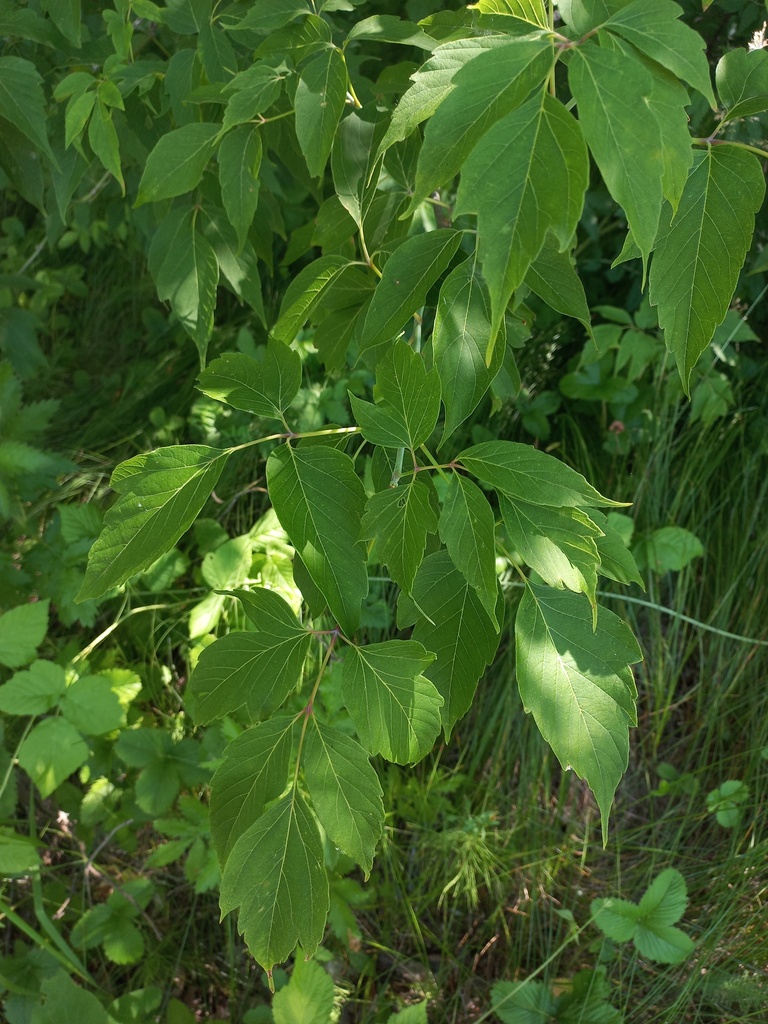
(391, 325)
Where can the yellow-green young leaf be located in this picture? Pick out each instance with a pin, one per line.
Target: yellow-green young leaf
(103, 139)
(652, 26)
(256, 670)
(276, 877)
(522, 471)
(467, 528)
(407, 401)
(22, 101)
(700, 251)
(527, 10)
(186, 272)
(578, 685)
(742, 82)
(304, 293)
(396, 710)
(616, 560)
(552, 276)
(613, 91)
(460, 339)
(51, 752)
(431, 84)
(560, 544)
(319, 501)
(308, 997)
(253, 771)
(177, 162)
(345, 790)
(492, 84)
(22, 630)
(319, 104)
(399, 520)
(461, 632)
(408, 275)
(263, 388)
(239, 159)
(251, 92)
(525, 177)
(161, 495)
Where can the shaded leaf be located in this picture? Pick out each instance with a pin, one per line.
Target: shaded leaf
(177, 162)
(407, 401)
(22, 101)
(399, 520)
(239, 159)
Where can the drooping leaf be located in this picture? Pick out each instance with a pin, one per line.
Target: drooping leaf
(161, 495)
(553, 278)
(516, 204)
(102, 136)
(613, 92)
(186, 272)
(256, 670)
(700, 251)
(319, 104)
(616, 560)
(352, 164)
(177, 162)
(319, 501)
(304, 293)
(239, 159)
(22, 101)
(396, 710)
(560, 544)
(742, 82)
(461, 633)
(263, 388)
(407, 401)
(276, 878)
(578, 685)
(524, 472)
(460, 339)
(408, 275)
(345, 790)
(399, 519)
(253, 771)
(491, 85)
(467, 526)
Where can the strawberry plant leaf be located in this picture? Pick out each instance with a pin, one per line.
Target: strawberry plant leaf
(304, 293)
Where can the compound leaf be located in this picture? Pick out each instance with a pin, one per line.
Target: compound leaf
(263, 388)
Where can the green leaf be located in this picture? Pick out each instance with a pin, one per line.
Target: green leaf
(22, 630)
(92, 706)
(742, 82)
(388, 28)
(488, 87)
(265, 16)
(65, 14)
(408, 275)
(60, 991)
(102, 137)
(467, 528)
(22, 101)
(552, 276)
(396, 710)
(186, 272)
(304, 294)
(51, 752)
(239, 269)
(308, 997)
(264, 388)
(460, 338)
(319, 104)
(352, 165)
(177, 162)
(461, 632)
(256, 670)
(431, 84)
(253, 91)
(275, 876)
(524, 472)
(652, 26)
(399, 520)
(502, 183)
(239, 159)
(578, 685)
(18, 855)
(616, 560)
(672, 548)
(665, 899)
(345, 790)
(253, 772)
(319, 501)
(560, 544)
(700, 251)
(613, 91)
(34, 691)
(407, 401)
(161, 495)
(523, 1002)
